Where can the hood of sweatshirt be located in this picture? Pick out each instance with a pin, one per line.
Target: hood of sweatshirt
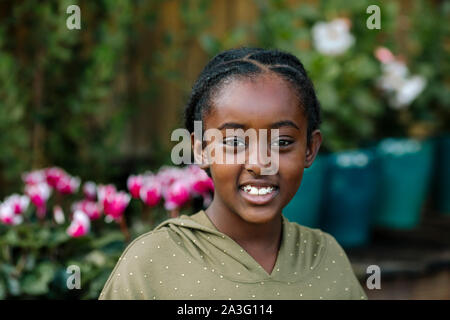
(301, 249)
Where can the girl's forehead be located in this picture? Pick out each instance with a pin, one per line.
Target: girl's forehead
(264, 99)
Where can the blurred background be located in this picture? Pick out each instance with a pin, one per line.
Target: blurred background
(86, 117)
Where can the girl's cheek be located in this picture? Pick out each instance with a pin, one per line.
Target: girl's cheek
(224, 173)
(292, 161)
(291, 170)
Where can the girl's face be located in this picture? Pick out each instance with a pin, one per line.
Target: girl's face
(265, 102)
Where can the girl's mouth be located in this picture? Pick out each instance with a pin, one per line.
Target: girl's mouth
(258, 195)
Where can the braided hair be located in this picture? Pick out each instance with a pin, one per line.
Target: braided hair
(250, 62)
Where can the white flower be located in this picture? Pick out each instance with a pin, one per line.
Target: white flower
(332, 38)
(408, 91)
(58, 215)
(7, 215)
(394, 74)
(401, 87)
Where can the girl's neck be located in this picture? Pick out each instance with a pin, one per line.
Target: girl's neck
(264, 236)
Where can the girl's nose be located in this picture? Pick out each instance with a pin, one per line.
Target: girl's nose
(256, 160)
(253, 169)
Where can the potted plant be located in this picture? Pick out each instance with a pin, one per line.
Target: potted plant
(405, 167)
(349, 197)
(415, 95)
(304, 208)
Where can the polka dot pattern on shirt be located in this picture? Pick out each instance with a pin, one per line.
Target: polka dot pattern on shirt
(174, 269)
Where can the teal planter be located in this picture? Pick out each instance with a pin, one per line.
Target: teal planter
(405, 174)
(304, 208)
(350, 195)
(442, 174)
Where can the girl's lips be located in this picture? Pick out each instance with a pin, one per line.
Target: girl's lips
(259, 199)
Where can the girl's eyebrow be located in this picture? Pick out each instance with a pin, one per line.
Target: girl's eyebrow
(231, 125)
(276, 125)
(284, 123)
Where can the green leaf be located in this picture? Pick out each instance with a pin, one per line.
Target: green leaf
(328, 96)
(97, 284)
(57, 238)
(37, 282)
(365, 103)
(7, 269)
(210, 44)
(97, 258)
(30, 262)
(11, 237)
(13, 286)
(108, 238)
(2, 289)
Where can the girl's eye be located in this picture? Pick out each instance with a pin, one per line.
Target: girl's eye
(281, 143)
(234, 142)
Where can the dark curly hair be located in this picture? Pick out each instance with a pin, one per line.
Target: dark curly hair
(250, 62)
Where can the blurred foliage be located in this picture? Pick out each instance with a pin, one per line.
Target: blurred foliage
(35, 258)
(66, 97)
(354, 112)
(426, 47)
(35, 255)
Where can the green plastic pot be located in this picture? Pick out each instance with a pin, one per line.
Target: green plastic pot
(350, 194)
(405, 174)
(304, 208)
(442, 174)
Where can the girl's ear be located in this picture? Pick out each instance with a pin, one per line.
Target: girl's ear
(199, 155)
(313, 148)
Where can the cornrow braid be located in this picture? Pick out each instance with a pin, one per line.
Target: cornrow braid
(250, 62)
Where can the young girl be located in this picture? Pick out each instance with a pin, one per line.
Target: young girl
(241, 246)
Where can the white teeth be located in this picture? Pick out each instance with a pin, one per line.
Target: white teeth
(263, 191)
(257, 191)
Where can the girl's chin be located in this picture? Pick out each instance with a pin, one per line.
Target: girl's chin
(258, 215)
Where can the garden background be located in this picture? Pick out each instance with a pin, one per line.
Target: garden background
(100, 103)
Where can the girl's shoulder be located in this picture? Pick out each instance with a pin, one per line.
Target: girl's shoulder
(316, 237)
(319, 243)
(328, 262)
(148, 244)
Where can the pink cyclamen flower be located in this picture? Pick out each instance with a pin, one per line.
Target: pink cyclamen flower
(39, 194)
(91, 208)
(201, 183)
(151, 191)
(67, 184)
(80, 224)
(384, 55)
(134, 184)
(90, 190)
(176, 195)
(34, 177)
(114, 204)
(54, 175)
(168, 175)
(41, 211)
(58, 215)
(7, 215)
(103, 191)
(18, 203)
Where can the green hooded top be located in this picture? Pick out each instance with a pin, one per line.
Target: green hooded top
(188, 258)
